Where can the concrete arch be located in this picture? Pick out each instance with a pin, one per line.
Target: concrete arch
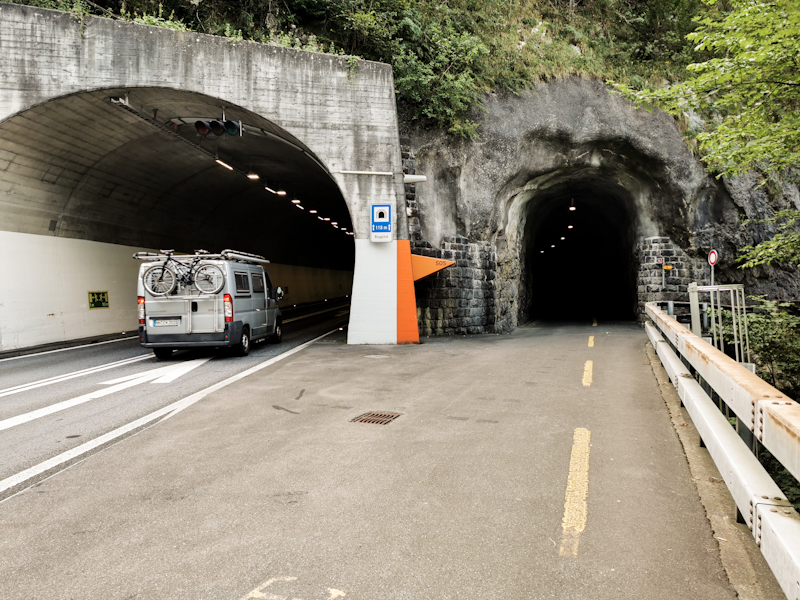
(338, 121)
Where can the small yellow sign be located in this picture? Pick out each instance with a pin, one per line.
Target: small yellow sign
(667, 267)
(98, 300)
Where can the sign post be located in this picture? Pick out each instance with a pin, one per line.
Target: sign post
(713, 258)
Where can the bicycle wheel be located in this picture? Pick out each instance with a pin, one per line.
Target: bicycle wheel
(159, 280)
(208, 279)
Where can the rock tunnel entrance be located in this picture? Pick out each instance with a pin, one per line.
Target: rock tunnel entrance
(579, 251)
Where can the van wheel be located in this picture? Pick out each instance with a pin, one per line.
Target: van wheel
(162, 353)
(243, 349)
(275, 338)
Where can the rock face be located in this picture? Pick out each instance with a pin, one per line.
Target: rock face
(628, 175)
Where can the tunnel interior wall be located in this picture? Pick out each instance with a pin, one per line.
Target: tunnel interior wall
(47, 280)
(569, 137)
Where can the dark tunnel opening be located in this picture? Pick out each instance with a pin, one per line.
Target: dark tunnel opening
(580, 254)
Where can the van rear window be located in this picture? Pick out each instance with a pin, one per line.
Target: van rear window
(258, 284)
(242, 283)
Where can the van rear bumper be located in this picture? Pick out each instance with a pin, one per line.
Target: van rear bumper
(231, 336)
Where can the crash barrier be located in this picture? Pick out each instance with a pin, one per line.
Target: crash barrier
(770, 416)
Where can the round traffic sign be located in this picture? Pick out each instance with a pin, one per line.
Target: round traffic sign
(713, 257)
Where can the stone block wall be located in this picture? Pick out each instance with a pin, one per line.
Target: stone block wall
(675, 281)
(460, 299)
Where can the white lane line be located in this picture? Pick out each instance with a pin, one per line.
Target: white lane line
(169, 410)
(135, 337)
(59, 378)
(327, 310)
(160, 375)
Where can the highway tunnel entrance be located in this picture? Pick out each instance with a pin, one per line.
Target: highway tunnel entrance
(579, 251)
(91, 177)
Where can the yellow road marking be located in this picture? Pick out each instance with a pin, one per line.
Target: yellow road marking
(587, 373)
(575, 507)
(591, 341)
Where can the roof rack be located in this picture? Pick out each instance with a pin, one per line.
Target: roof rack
(227, 254)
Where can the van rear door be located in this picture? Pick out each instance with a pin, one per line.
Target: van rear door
(259, 305)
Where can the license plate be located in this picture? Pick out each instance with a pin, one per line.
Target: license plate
(166, 322)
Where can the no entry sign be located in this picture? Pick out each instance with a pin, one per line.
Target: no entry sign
(713, 257)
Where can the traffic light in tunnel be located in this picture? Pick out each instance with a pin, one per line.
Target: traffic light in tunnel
(218, 128)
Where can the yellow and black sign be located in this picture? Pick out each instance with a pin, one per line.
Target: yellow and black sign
(98, 300)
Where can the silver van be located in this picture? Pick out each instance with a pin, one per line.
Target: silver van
(202, 299)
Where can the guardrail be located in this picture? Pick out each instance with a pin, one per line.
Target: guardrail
(772, 417)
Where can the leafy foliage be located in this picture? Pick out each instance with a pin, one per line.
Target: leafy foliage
(782, 247)
(749, 88)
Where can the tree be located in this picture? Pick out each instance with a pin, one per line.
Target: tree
(749, 90)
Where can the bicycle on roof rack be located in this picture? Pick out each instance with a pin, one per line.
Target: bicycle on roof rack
(162, 279)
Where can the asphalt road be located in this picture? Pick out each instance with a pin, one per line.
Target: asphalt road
(32, 386)
(540, 464)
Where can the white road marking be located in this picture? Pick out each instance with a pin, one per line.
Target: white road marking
(257, 593)
(70, 348)
(327, 310)
(67, 376)
(166, 412)
(160, 375)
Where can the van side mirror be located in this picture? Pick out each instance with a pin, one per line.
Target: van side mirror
(279, 293)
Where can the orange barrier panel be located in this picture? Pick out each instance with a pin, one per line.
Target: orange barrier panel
(422, 266)
(407, 328)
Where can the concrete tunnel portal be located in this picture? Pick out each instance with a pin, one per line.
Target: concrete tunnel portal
(143, 177)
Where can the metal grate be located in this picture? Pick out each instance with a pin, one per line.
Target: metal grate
(376, 418)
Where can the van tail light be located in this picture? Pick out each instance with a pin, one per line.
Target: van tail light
(228, 304)
(141, 310)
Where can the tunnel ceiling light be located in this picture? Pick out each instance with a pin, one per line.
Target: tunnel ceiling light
(542, 251)
(295, 201)
(281, 193)
(569, 226)
(224, 164)
(326, 218)
(334, 223)
(563, 238)
(553, 246)
(300, 207)
(572, 205)
(313, 211)
(270, 190)
(320, 218)
(252, 175)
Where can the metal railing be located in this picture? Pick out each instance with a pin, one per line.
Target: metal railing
(771, 417)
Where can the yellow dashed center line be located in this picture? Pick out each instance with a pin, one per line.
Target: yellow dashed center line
(587, 373)
(591, 341)
(575, 508)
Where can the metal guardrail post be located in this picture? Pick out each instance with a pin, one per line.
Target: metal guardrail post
(694, 307)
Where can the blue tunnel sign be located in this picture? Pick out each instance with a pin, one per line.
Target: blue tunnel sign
(381, 223)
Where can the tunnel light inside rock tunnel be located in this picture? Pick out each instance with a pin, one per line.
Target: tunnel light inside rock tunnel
(553, 246)
(326, 218)
(270, 190)
(569, 226)
(299, 206)
(252, 175)
(281, 193)
(226, 165)
(313, 211)
(572, 205)
(563, 238)
(295, 201)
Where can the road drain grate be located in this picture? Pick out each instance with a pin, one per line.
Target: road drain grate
(376, 418)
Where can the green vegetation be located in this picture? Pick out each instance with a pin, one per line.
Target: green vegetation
(748, 90)
(446, 53)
